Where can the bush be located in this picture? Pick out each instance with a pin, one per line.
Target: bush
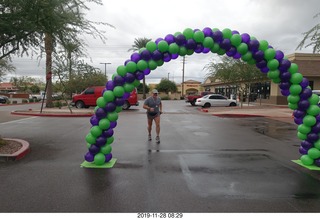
(57, 104)
(165, 98)
(24, 101)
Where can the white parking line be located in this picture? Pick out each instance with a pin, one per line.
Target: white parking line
(18, 120)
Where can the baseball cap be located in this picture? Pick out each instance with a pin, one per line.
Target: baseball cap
(154, 91)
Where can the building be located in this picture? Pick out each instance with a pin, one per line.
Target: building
(267, 91)
(6, 87)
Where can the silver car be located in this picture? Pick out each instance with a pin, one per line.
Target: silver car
(215, 100)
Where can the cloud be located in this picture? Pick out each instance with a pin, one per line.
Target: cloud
(281, 23)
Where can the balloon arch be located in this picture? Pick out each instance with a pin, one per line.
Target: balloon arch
(271, 62)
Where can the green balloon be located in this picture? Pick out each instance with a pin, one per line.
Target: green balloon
(221, 51)
(118, 109)
(293, 98)
(236, 40)
(190, 52)
(131, 67)
(90, 139)
(306, 160)
(136, 83)
(106, 149)
(160, 62)
(313, 110)
(227, 33)
(99, 159)
(215, 29)
(215, 48)
(198, 36)
(309, 120)
(273, 74)
(108, 96)
(247, 57)
(95, 109)
(273, 64)
(163, 46)
(88, 145)
(208, 42)
(173, 48)
(293, 106)
(152, 64)
(263, 45)
(121, 70)
(276, 80)
(142, 65)
(304, 129)
(104, 124)
(118, 91)
(269, 54)
(128, 87)
(96, 131)
(296, 78)
(293, 68)
(252, 62)
(151, 46)
(110, 140)
(314, 99)
(177, 33)
(182, 51)
(317, 144)
(242, 48)
(112, 116)
(313, 153)
(188, 33)
(295, 89)
(301, 136)
(101, 102)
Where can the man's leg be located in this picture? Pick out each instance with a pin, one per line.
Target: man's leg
(149, 128)
(157, 121)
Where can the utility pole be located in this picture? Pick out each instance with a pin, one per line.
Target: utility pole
(168, 77)
(105, 67)
(182, 85)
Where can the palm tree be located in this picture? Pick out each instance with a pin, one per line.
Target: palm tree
(140, 43)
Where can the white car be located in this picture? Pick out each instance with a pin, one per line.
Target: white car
(215, 100)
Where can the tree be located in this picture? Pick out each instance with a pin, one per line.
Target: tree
(140, 88)
(166, 86)
(235, 72)
(140, 43)
(44, 24)
(313, 36)
(5, 67)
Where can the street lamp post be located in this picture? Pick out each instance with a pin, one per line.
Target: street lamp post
(105, 67)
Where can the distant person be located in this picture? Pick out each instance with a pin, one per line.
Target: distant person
(153, 106)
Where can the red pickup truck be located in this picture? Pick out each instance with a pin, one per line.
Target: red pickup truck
(193, 98)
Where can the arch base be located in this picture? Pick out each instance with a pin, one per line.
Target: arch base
(110, 164)
(311, 167)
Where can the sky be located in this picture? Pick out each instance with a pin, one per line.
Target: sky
(280, 22)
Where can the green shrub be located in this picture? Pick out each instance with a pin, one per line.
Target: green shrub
(24, 101)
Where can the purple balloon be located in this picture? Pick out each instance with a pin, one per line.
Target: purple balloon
(100, 141)
(157, 55)
(207, 32)
(174, 56)
(258, 55)
(126, 95)
(89, 157)
(298, 121)
(94, 149)
(235, 32)
(158, 40)
(225, 44)
(119, 101)
(306, 144)
(253, 45)
(191, 44)
(303, 151)
(139, 75)
(145, 55)
(94, 120)
(317, 162)
(284, 65)
(232, 51)
(110, 107)
(279, 55)
(199, 48)
(298, 113)
(108, 157)
(304, 83)
(284, 85)
(135, 57)
(146, 71)
(107, 133)
(113, 124)
(166, 57)
(118, 80)
(205, 50)
(306, 93)
(264, 70)
(285, 76)
(129, 77)
(316, 128)
(181, 39)
(285, 92)
(262, 64)
(217, 36)
(303, 105)
(312, 137)
(245, 38)
(237, 55)
(318, 118)
(170, 39)
(126, 62)
(100, 113)
(110, 85)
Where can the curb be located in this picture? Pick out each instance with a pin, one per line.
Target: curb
(52, 114)
(25, 149)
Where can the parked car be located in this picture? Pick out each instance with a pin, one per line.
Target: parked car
(215, 100)
(90, 95)
(4, 99)
(193, 98)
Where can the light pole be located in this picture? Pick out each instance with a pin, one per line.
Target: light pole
(168, 76)
(105, 67)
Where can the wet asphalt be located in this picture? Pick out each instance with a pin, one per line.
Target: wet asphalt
(203, 164)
